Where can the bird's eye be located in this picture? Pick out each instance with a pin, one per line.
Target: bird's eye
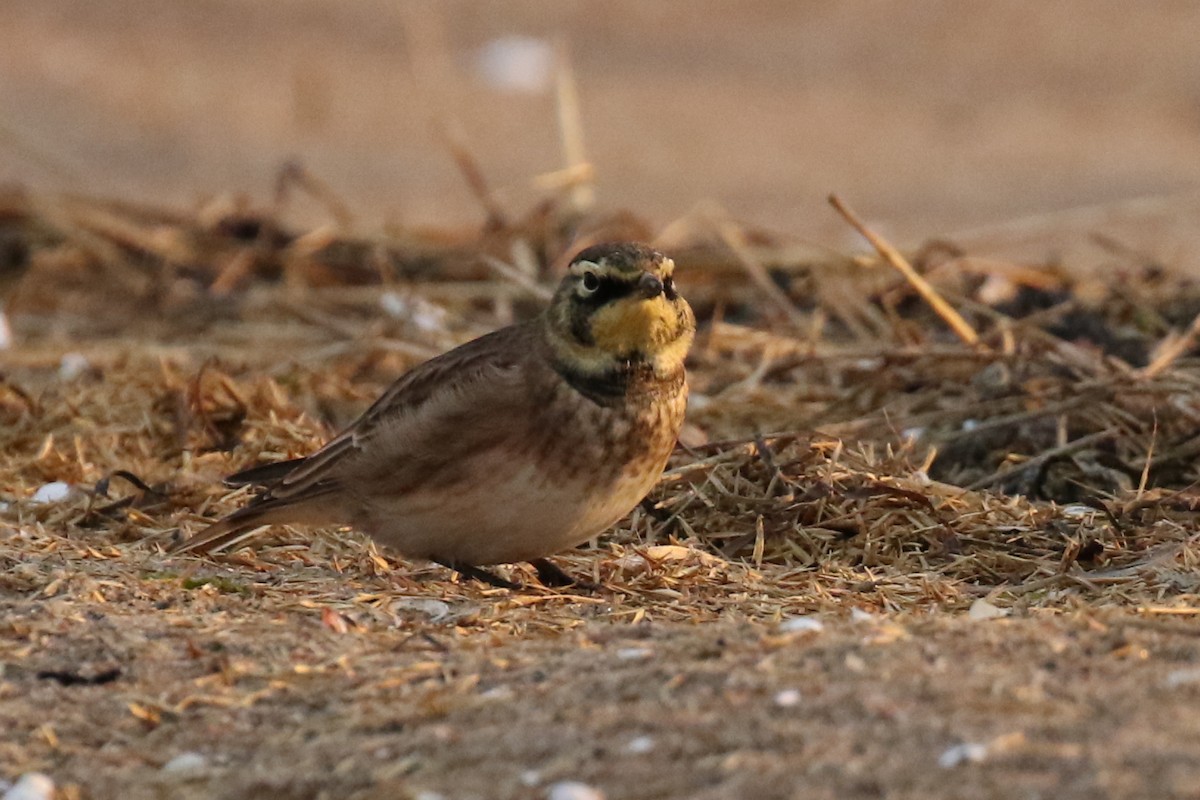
(669, 288)
(590, 282)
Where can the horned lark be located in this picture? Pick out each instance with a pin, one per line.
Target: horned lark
(509, 448)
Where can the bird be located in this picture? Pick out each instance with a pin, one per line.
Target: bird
(511, 447)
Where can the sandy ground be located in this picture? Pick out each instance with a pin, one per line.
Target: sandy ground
(906, 707)
(933, 118)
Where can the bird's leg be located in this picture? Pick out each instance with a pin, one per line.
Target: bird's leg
(481, 575)
(551, 575)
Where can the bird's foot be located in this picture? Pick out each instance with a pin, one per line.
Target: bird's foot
(551, 575)
(481, 575)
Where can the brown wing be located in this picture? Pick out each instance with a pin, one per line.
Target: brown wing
(469, 370)
(418, 429)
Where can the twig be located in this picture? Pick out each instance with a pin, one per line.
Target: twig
(1028, 228)
(705, 464)
(294, 174)
(473, 174)
(570, 131)
(891, 255)
(732, 236)
(1042, 458)
(1010, 420)
(40, 157)
(572, 177)
(1072, 353)
(1170, 349)
(516, 276)
(1145, 478)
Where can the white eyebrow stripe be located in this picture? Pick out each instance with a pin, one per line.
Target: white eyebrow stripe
(601, 267)
(584, 266)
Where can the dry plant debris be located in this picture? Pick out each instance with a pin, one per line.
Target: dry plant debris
(845, 449)
(853, 444)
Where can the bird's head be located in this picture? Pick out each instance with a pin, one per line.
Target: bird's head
(618, 305)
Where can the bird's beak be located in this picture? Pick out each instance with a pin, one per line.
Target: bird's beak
(649, 286)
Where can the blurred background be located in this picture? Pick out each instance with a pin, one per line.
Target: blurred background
(934, 118)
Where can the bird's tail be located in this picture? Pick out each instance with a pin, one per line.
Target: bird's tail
(227, 533)
(263, 474)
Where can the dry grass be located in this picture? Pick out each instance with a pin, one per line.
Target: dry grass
(848, 446)
(845, 448)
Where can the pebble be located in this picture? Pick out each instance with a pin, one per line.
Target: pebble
(1077, 511)
(72, 365)
(435, 610)
(801, 625)
(982, 609)
(787, 698)
(573, 790)
(632, 564)
(965, 753)
(634, 653)
(498, 693)
(52, 492)
(31, 786)
(997, 289)
(1182, 677)
(190, 761)
(640, 745)
(517, 63)
(855, 663)
(424, 315)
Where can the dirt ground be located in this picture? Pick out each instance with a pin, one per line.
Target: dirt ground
(887, 564)
(1094, 704)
